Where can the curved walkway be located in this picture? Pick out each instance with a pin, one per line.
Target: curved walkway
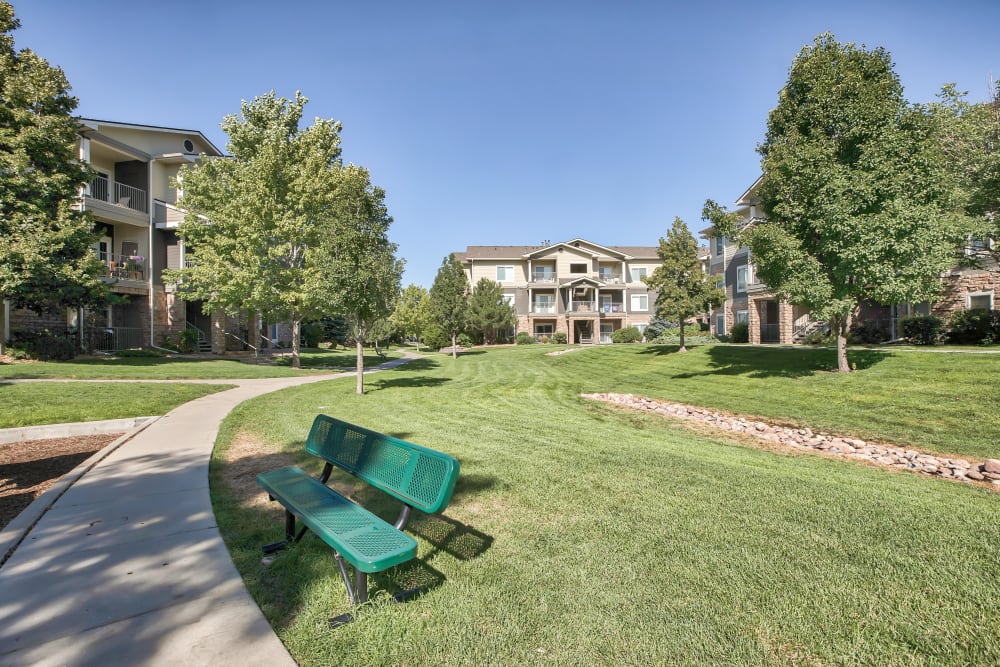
(126, 565)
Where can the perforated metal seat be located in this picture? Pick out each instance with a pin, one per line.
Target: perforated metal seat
(419, 477)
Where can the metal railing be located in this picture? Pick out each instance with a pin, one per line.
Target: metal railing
(116, 339)
(543, 278)
(121, 194)
(582, 307)
(124, 267)
(610, 278)
(544, 308)
(611, 308)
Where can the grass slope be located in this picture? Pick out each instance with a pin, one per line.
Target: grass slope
(583, 535)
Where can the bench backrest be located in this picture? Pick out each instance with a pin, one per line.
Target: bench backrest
(420, 477)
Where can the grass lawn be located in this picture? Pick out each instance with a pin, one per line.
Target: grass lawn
(184, 368)
(36, 403)
(579, 534)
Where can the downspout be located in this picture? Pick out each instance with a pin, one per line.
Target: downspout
(152, 295)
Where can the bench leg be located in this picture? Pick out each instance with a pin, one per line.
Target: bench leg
(290, 536)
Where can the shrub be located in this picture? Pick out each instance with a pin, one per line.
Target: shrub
(866, 333)
(544, 340)
(626, 335)
(559, 337)
(818, 338)
(525, 338)
(312, 334)
(435, 337)
(740, 333)
(976, 326)
(45, 346)
(464, 339)
(923, 329)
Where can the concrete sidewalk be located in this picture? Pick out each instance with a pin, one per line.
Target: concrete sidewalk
(127, 566)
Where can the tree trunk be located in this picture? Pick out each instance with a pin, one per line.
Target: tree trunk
(842, 326)
(683, 349)
(296, 323)
(3, 326)
(454, 352)
(360, 354)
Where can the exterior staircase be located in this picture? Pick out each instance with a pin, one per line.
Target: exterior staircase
(812, 326)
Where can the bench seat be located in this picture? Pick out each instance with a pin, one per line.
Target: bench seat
(363, 539)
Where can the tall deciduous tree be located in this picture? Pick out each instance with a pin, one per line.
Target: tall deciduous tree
(489, 312)
(450, 300)
(683, 288)
(359, 261)
(45, 257)
(253, 219)
(412, 314)
(970, 139)
(858, 201)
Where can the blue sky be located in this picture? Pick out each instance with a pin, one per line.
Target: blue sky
(505, 123)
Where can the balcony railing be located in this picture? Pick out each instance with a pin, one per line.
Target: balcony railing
(582, 307)
(119, 194)
(610, 278)
(543, 278)
(116, 339)
(543, 308)
(611, 308)
(124, 267)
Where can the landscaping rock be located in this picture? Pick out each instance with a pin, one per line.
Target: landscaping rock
(804, 438)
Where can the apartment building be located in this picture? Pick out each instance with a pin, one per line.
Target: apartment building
(133, 207)
(770, 320)
(580, 288)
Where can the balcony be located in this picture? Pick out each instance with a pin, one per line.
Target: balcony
(118, 194)
(610, 278)
(582, 307)
(543, 278)
(121, 267)
(607, 308)
(543, 308)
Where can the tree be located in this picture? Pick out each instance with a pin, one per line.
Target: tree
(683, 288)
(489, 311)
(857, 197)
(46, 262)
(449, 299)
(412, 314)
(969, 135)
(253, 219)
(359, 261)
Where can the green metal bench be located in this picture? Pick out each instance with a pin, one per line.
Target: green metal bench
(421, 478)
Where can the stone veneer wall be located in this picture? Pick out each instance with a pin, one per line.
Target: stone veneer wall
(959, 284)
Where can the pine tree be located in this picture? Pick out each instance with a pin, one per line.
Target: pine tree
(489, 312)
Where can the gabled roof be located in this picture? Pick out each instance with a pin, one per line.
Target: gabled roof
(521, 252)
(747, 197)
(95, 123)
(582, 279)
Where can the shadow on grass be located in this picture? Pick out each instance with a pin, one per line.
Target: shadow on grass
(405, 383)
(766, 362)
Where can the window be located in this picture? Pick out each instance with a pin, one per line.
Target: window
(508, 299)
(640, 302)
(742, 317)
(720, 324)
(543, 274)
(980, 300)
(577, 268)
(742, 274)
(641, 327)
(543, 329)
(720, 245)
(638, 274)
(720, 284)
(505, 274)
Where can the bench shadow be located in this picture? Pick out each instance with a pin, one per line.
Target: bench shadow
(420, 381)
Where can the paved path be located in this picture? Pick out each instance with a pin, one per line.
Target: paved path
(128, 567)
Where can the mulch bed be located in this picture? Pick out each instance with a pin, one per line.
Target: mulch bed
(28, 468)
